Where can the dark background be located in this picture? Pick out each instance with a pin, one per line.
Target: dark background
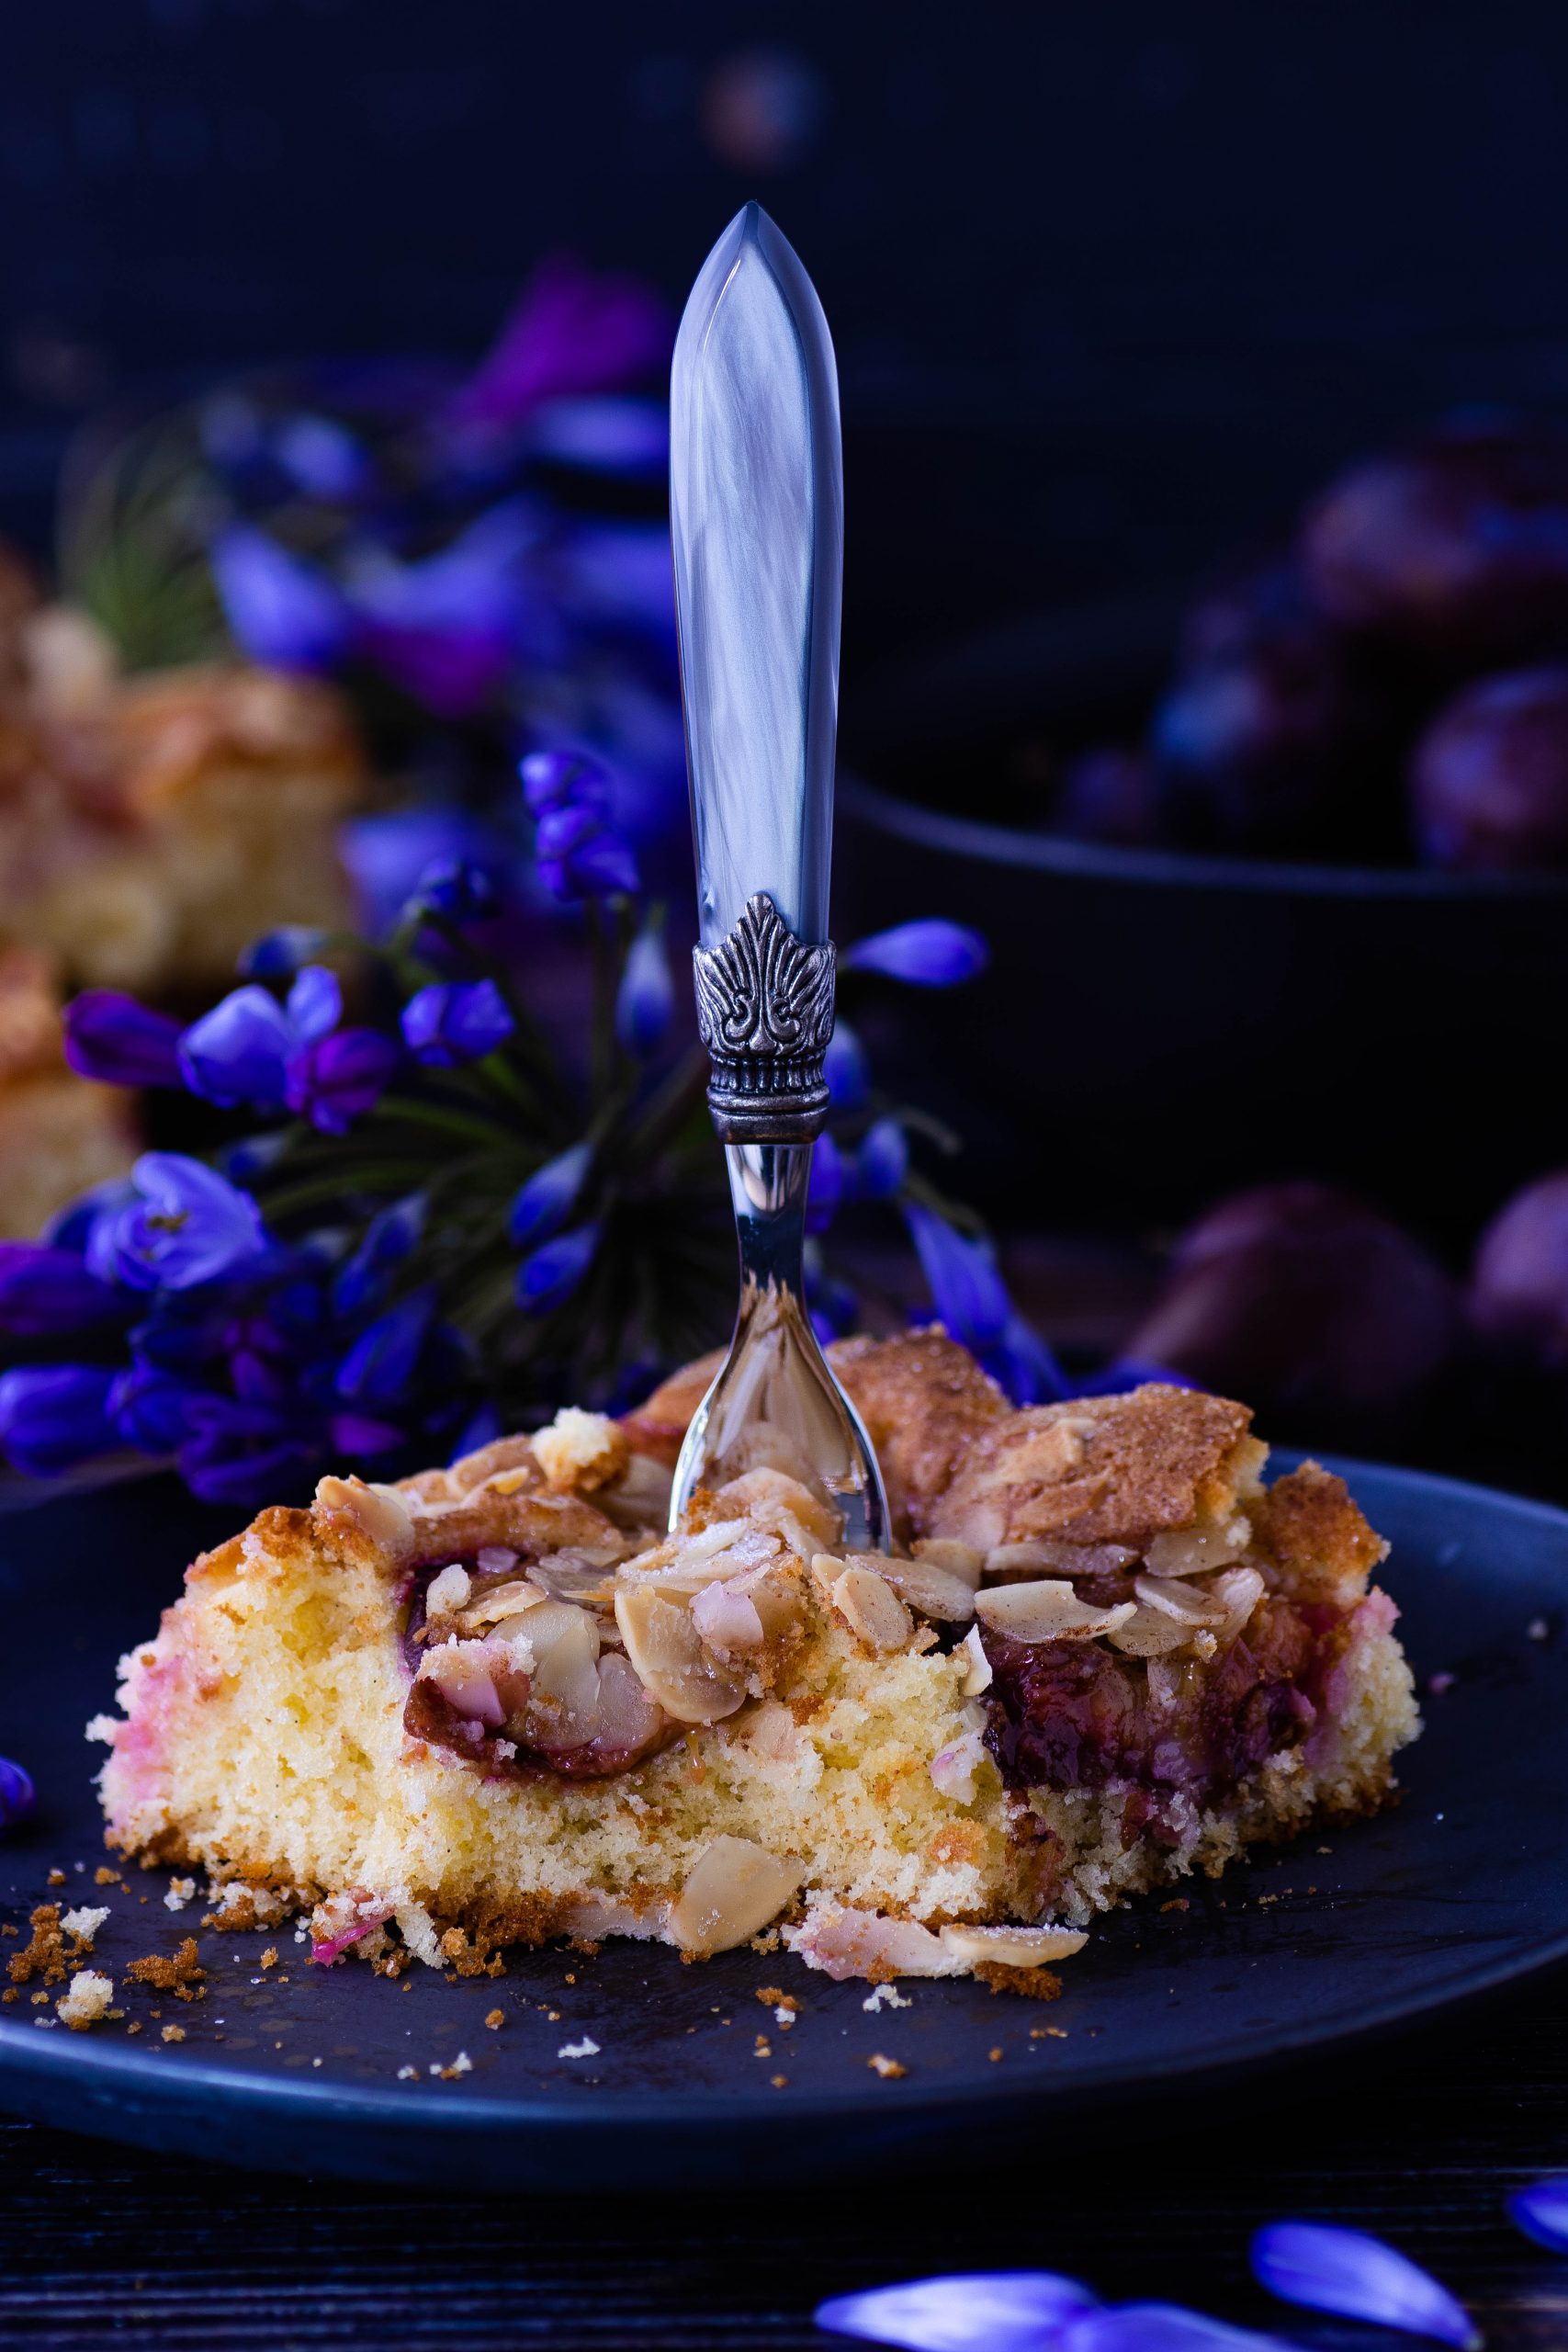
(1112, 285)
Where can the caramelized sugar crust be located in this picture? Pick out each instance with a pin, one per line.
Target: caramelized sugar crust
(1100, 1470)
(924, 1401)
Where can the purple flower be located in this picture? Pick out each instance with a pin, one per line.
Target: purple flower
(277, 955)
(17, 1796)
(389, 1238)
(883, 1160)
(933, 955)
(449, 1023)
(45, 1291)
(188, 1225)
(1006, 2311)
(1541, 2211)
(546, 1278)
(1025, 1368)
(581, 857)
(966, 1290)
(572, 331)
(239, 1052)
(644, 1002)
(278, 608)
(152, 1409)
(320, 456)
(564, 778)
(826, 1184)
(455, 888)
(1347, 2271)
(544, 1203)
(242, 1454)
(339, 1080)
(380, 1367)
(834, 1306)
(846, 1070)
(389, 856)
(605, 436)
(111, 1037)
(447, 629)
(54, 1415)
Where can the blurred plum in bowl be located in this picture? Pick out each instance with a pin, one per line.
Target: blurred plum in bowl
(1489, 778)
(1518, 1300)
(1270, 737)
(1455, 547)
(1321, 1312)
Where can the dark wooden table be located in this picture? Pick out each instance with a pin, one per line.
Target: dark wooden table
(1418, 2140)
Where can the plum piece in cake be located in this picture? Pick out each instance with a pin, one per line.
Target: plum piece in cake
(500, 1703)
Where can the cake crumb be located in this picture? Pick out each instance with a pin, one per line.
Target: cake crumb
(87, 1999)
(84, 1922)
(586, 2048)
(461, 2065)
(888, 2068)
(180, 1893)
(183, 1974)
(104, 1876)
(1177, 1903)
(269, 1957)
(44, 1954)
(884, 1997)
(761, 2047)
(135, 2026)
(408, 2073)
(995, 2054)
(172, 2033)
(779, 2081)
(495, 2019)
(56, 1878)
(1047, 2033)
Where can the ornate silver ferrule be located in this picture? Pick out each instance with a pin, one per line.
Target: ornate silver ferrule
(765, 1013)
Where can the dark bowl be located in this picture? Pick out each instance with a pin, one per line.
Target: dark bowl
(1156, 1025)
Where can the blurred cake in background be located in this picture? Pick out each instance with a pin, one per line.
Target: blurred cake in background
(151, 825)
(58, 1134)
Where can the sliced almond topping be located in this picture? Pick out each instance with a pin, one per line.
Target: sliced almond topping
(734, 1887)
(1045, 1611)
(1193, 1551)
(640, 1496)
(867, 1602)
(1241, 1590)
(1149, 1633)
(1185, 1602)
(726, 1616)
(671, 1661)
(1063, 1559)
(954, 1559)
(976, 1666)
(1013, 1947)
(565, 1644)
(378, 1512)
(930, 1590)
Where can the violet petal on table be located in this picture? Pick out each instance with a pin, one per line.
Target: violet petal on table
(1004, 2311)
(1541, 2211)
(1331, 2269)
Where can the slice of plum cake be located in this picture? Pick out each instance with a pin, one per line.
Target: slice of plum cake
(498, 1703)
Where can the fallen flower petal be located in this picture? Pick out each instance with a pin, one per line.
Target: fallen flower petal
(1004, 2311)
(1330, 2269)
(932, 955)
(1541, 2211)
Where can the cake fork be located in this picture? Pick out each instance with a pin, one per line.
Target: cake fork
(756, 482)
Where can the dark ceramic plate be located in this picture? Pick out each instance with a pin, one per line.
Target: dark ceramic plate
(1461, 1888)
